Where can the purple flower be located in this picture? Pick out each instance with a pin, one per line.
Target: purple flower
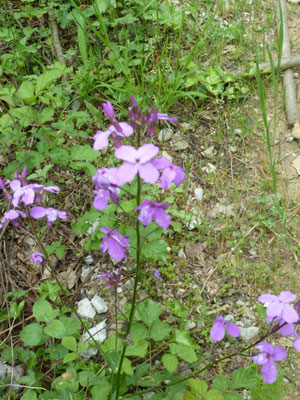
(27, 193)
(151, 118)
(137, 161)
(152, 210)
(279, 306)
(50, 213)
(129, 340)
(115, 243)
(12, 216)
(155, 272)
(217, 331)
(38, 258)
(267, 360)
(2, 186)
(106, 187)
(101, 137)
(108, 109)
(171, 173)
(111, 278)
(289, 330)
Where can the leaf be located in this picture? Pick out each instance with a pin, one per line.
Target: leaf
(70, 357)
(155, 250)
(69, 342)
(43, 312)
(46, 79)
(101, 5)
(71, 325)
(29, 395)
(190, 396)
(243, 378)
(198, 386)
(56, 329)
(159, 330)
(138, 348)
(32, 334)
(182, 336)
(221, 383)
(26, 91)
(148, 311)
(184, 352)
(84, 153)
(139, 330)
(127, 367)
(104, 390)
(170, 362)
(232, 396)
(85, 166)
(213, 395)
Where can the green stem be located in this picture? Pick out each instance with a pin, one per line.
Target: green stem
(137, 277)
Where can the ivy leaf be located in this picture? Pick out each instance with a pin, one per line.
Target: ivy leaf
(32, 334)
(243, 378)
(159, 330)
(170, 362)
(148, 311)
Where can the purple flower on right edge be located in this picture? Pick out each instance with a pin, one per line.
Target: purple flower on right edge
(217, 331)
(267, 359)
(278, 306)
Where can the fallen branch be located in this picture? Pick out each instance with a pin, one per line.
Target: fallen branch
(291, 108)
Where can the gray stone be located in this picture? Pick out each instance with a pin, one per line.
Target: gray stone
(181, 254)
(99, 333)
(99, 304)
(249, 333)
(199, 192)
(85, 309)
(14, 373)
(165, 135)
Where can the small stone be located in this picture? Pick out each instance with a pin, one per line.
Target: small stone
(209, 168)
(190, 325)
(237, 131)
(181, 253)
(240, 303)
(119, 290)
(165, 135)
(85, 271)
(93, 227)
(200, 324)
(167, 156)
(229, 317)
(89, 260)
(249, 333)
(181, 144)
(199, 193)
(208, 153)
(99, 304)
(85, 309)
(233, 149)
(99, 334)
(289, 137)
(184, 125)
(218, 209)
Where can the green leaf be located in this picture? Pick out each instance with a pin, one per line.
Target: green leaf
(243, 378)
(128, 205)
(43, 312)
(110, 342)
(32, 334)
(184, 352)
(213, 395)
(70, 357)
(139, 330)
(101, 5)
(148, 311)
(138, 348)
(155, 250)
(29, 395)
(71, 325)
(190, 396)
(82, 347)
(84, 153)
(198, 386)
(85, 166)
(221, 383)
(182, 336)
(69, 342)
(15, 309)
(159, 330)
(127, 367)
(26, 91)
(56, 329)
(170, 362)
(104, 390)
(46, 79)
(232, 396)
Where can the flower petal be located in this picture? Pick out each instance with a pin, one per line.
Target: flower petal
(162, 219)
(38, 212)
(146, 152)
(286, 296)
(217, 331)
(148, 172)
(126, 172)
(267, 298)
(101, 139)
(115, 250)
(269, 372)
(279, 353)
(126, 153)
(289, 314)
(232, 329)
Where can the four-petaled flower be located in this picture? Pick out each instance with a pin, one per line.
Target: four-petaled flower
(137, 161)
(106, 187)
(267, 360)
(38, 258)
(152, 210)
(114, 243)
(111, 278)
(101, 137)
(50, 213)
(12, 216)
(217, 331)
(171, 173)
(279, 306)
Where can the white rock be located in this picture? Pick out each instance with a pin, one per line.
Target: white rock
(233, 149)
(99, 304)
(167, 155)
(165, 134)
(209, 168)
(14, 374)
(228, 317)
(93, 227)
(85, 309)
(249, 333)
(89, 259)
(208, 153)
(190, 325)
(218, 209)
(85, 271)
(237, 131)
(192, 220)
(99, 333)
(199, 193)
(119, 290)
(289, 137)
(181, 253)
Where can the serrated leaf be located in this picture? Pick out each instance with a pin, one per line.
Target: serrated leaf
(213, 395)
(155, 250)
(243, 378)
(185, 352)
(182, 336)
(82, 347)
(221, 383)
(190, 396)
(43, 312)
(70, 357)
(85, 166)
(26, 91)
(56, 329)
(198, 386)
(232, 396)
(127, 367)
(84, 153)
(46, 79)
(32, 334)
(159, 330)
(170, 362)
(139, 330)
(69, 342)
(138, 348)
(148, 311)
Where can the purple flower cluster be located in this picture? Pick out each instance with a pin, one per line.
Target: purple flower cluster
(28, 194)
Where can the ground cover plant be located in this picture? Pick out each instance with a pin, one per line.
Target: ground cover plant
(89, 96)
